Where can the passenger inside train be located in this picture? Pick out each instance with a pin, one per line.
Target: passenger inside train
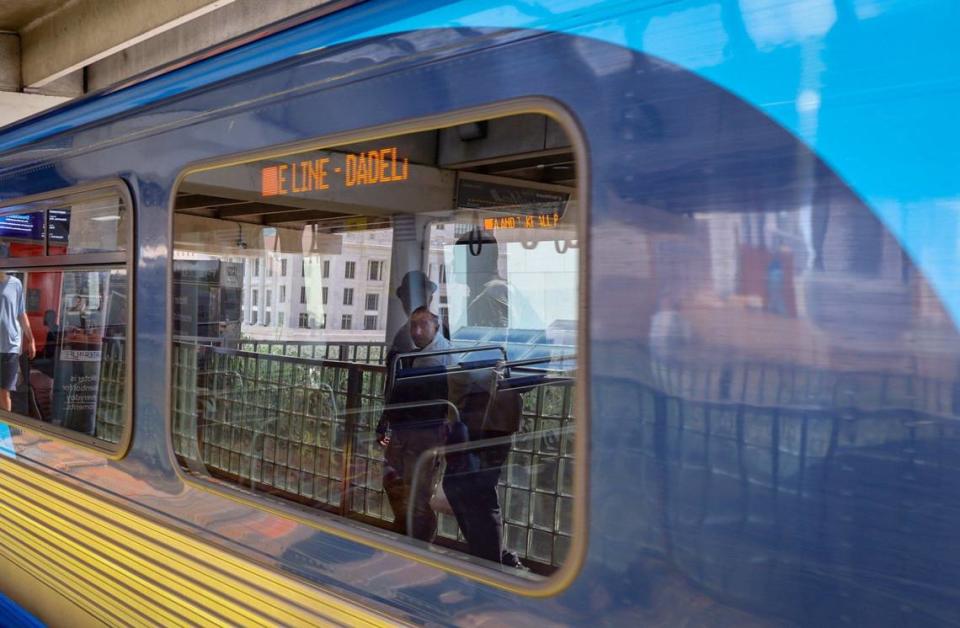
(384, 332)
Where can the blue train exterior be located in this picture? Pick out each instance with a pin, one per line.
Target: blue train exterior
(772, 434)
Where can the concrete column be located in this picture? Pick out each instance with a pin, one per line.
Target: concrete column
(9, 62)
(13, 104)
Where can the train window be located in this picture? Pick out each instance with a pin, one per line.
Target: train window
(64, 315)
(450, 417)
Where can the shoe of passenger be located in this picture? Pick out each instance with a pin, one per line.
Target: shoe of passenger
(510, 559)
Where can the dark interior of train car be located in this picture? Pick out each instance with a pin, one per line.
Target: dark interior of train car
(385, 330)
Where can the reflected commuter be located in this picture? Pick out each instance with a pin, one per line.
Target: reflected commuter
(15, 335)
(489, 304)
(415, 291)
(470, 482)
(416, 427)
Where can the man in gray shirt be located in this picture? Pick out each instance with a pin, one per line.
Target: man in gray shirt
(15, 334)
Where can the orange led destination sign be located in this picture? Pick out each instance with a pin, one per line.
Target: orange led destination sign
(373, 167)
(527, 221)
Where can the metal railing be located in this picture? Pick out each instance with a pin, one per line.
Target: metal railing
(358, 352)
(305, 429)
(111, 395)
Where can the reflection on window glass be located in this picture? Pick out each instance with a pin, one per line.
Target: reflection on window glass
(77, 320)
(87, 222)
(22, 235)
(91, 224)
(440, 402)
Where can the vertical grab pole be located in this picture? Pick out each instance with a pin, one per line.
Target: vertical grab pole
(354, 385)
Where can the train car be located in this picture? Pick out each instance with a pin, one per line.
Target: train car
(496, 313)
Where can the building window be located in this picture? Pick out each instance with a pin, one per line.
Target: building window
(348, 296)
(283, 294)
(283, 268)
(324, 291)
(369, 322)
(269, 298)
(443, 273)
(375, 270)
(270, 267)
(279, 319)
(303, 268)
(373, 301)
(266, 318)
(323, 322)
(349, 270)
(346, 321)
(253, 317)
(303, 294)
(326, 269)
(256, 268)
(303, 321)
(255, 297)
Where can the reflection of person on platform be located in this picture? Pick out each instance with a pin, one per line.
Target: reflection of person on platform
(470, 481)
(415, 430)
(15, 335)
(415, 290)
(489, 294)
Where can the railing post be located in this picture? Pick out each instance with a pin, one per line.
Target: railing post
(354, 387)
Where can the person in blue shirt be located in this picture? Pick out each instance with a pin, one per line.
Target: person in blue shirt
(15, 335)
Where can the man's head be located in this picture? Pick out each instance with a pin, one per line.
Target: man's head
(424, 326)
(415, 290)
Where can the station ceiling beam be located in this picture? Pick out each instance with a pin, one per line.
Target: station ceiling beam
(79, 33)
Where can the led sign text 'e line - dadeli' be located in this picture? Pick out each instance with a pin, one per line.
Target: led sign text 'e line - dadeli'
(372, 167)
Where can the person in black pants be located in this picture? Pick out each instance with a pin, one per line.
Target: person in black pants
(470, 484)
(416, 424)
(471, 477)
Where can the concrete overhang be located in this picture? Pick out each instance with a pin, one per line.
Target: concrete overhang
(54, 50)
(57, 38)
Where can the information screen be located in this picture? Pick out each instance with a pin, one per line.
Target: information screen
(22, 226)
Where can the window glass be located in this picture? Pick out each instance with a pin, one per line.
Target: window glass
(63, 349)
(92, 224)
(76, 379)
(439, 404)
(22, 234)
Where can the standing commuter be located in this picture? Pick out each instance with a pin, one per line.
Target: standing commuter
(416, 427)
(470, 481)
(415, 290)
(15, 335)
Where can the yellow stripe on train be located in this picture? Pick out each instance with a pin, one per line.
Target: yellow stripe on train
(121, 568)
